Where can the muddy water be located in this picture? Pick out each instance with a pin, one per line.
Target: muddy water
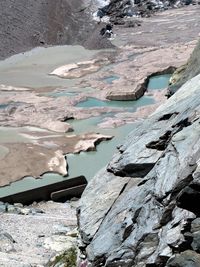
(31, 69)
(12, 135)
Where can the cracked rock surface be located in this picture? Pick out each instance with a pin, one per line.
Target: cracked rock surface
(142, 209)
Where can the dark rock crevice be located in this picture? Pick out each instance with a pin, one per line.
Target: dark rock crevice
(133, 170)
(182, 123)
(188, 200)
(161, 143)
(168, 116)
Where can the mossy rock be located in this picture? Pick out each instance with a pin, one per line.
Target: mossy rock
(177, 75)
(186, 72)
(66, 259)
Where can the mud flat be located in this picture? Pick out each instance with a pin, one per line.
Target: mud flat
(44, 145)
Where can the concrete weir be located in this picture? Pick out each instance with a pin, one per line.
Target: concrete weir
(59, 192)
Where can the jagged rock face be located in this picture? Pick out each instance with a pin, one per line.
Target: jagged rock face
(186, 72)
(142, 209)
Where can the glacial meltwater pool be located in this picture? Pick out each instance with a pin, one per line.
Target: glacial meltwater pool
(30, 183)
(61, 93)
(89, 163)
(85, 163)
(13, 135)
(159, 82)
(31, 69)
(133, 105)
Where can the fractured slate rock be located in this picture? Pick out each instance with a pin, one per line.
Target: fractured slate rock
(146, 218)
(99, 198)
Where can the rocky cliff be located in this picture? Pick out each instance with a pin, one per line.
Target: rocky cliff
(143, 208)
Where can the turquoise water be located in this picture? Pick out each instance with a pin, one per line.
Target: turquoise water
(85, 163)
(89, 163)
(89, 124)
(159, 82)
(85, 125)
(94, 102)
(2, 106)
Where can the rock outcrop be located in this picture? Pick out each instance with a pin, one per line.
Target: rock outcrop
(186, 72)
(142, 209)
